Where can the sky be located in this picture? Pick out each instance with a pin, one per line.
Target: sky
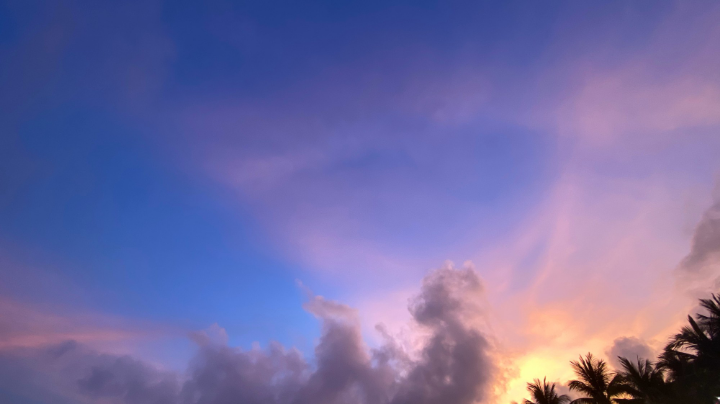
(348, 202)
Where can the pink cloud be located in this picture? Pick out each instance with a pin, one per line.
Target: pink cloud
(625, 104)
(25, 326)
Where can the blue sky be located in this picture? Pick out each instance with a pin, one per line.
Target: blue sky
(97, 195)
(172, 165)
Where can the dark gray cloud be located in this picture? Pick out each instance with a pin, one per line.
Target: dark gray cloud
(126, 380)
(705, 248)
(631, 348)
(455, 364)
(220, 374)
(71, 373)
(699, 271)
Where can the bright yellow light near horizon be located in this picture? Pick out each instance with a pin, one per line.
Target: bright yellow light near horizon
(538, 365)
(551, 362)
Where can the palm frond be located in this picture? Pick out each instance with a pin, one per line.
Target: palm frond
(544, 393)
(710, 322)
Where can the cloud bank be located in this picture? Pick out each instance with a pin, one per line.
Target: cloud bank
(455, 363)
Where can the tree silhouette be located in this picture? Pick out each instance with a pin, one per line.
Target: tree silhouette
(643, 382)
(711, 321)
(544, 393)
(692, 357)
(687, 371)
(595, 381)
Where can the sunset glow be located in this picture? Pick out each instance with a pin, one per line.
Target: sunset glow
(350, 202)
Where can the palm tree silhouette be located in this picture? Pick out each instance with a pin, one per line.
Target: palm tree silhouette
(681, 374)
(692, 357)
(687, 371)
(703, 346)
(595, 381)
(544, 393)
(643, 382)
(711, 321)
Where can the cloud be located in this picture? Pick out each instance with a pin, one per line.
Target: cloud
(126, 380)
(220, 374)
(25, 326)
(631, 348)
(456, 363)
(625, 105)
(643, 99)
(699, 271)
(72, 372)
(705, 247)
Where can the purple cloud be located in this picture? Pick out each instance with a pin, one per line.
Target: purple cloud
(631, 348)
(454, 365)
